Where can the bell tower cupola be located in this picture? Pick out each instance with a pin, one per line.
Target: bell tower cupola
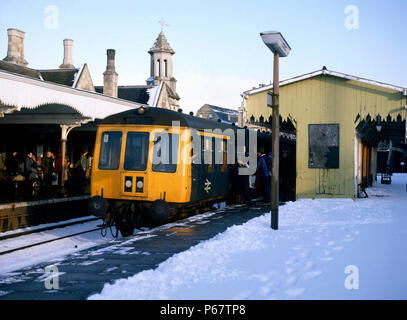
(161, 68)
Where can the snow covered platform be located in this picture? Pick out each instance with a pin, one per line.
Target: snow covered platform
(324, 249)
(86, 272)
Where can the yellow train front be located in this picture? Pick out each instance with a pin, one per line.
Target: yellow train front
(136, 176)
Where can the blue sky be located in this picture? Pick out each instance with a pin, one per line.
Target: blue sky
(219, 52)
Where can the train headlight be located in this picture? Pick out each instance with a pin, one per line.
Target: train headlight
(128, 184)
(139, 184)
(140, 110)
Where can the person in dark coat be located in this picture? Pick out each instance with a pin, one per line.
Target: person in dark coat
(264, 177)
(29, 166)
(12, 164)
(47, 166)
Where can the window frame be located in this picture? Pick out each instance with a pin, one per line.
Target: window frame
(101, 149)
(147, 142)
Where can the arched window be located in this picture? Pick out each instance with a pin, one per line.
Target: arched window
(165, 69)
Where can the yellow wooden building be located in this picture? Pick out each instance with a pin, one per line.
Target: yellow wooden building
(335, 117)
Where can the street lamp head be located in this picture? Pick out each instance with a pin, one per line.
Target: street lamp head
(276, 42)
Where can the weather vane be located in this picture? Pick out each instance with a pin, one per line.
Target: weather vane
(163, 23)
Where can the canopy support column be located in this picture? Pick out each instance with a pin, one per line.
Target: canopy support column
(65, 129)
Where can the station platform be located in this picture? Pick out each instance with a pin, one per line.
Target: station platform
(84, 273)
(25, 214)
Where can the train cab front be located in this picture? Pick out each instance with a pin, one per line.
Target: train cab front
(126, 186)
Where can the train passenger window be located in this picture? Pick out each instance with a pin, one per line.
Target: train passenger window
(165, 152)
(110, 147)
(208, 153)
(207, 150)
(218, 151)
(136, 155)
(225, 155)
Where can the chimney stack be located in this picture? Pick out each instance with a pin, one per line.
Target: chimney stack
(15, 52)
(110, 75)
(67, 63)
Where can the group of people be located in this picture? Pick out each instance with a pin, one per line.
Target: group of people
(48, 169)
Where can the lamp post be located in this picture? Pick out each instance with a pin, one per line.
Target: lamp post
(280, 48)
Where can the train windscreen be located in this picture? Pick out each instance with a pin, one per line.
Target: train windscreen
(136, 155)
(110, 147)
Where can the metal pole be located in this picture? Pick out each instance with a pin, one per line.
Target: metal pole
(63, 144)
(64, 135)
(275, 147)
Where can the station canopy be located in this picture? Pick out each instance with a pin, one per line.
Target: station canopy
(25, 100)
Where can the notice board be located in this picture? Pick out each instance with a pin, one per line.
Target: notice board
(323, 142)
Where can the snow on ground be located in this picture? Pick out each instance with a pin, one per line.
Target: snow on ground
(321, 247)
(45, 225)
(55, 250)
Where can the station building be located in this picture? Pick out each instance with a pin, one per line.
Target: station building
(341, 122)
(40, 107)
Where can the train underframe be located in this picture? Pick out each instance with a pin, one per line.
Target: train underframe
(126, 215)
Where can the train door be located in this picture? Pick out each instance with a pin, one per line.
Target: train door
(207, 188)
(134, 174)
(196, 167)
(203, 170)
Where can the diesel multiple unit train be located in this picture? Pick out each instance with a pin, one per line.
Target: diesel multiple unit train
(152, 165)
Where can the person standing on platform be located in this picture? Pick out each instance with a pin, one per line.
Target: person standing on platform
(264, 177)
(47, 166)
(29, 166)
(84, 164)
(12, 164)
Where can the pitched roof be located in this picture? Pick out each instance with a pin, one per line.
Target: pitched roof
(137, 94)
(223, 114)
(65, 77)
(15, 68)
(161, 44)
(60, 76)
(325, 71)
(171, 93)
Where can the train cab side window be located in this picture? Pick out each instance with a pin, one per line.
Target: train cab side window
(136, 155)
(165, 152)
(110, 147)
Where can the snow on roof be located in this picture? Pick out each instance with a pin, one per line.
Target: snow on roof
(154, 93)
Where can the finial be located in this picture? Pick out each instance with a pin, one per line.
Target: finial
(163, 24)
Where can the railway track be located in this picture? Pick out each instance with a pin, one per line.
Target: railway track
(47, 229)
(14, 235)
